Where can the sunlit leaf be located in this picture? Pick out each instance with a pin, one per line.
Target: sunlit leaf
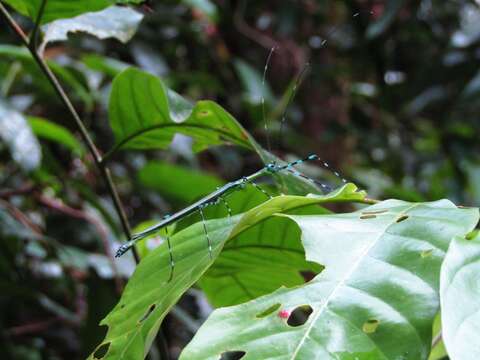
(459, 294)
(144, 114)
(17, 134)
(134, 322)
(113, 22)
(376, 298)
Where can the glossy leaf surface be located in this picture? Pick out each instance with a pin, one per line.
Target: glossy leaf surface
(459, 296)
(376, 298)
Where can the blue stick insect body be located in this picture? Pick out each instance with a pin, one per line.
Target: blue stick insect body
(221, 193)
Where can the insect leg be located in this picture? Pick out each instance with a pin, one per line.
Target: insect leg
(206, 232)
(324, 187)
(257, 187)
(170, 252)
(229, 209)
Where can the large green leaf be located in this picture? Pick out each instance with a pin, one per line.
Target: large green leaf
(62, 9)
(376, 298)
(144, 114)
(259, 260)
(134, 322)
(459, 297)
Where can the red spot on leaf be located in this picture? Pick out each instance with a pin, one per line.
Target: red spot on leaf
(283, 314)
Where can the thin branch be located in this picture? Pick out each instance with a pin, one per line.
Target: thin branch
(38, 21)
(79, 214)
(78, 122)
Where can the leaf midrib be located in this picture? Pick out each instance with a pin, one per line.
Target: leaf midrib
(342, 282)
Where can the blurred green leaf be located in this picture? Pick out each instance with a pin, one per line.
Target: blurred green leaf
(144, 114)
(66, 75)
(134, 322)
(106, 65)
(113, 22)
(62, 9)
(459, 294)
(17, 134)
(392, 8)
(178, 182)
(382, 279)
(57, 133)
(252, 83)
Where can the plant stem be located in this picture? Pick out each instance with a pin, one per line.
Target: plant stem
(105, 172)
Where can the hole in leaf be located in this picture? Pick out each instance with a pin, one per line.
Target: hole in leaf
(370, 216)
(373, 212)
(426, 253)
(148, 313)
(101, 351)
(268, 311)
(402, 218)
(370, 326)
(300, 315)
(232, 355)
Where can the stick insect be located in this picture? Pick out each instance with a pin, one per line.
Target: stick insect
(221, 193)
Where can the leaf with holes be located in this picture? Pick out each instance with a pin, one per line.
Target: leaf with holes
(134, 322)
(62, 9)
(144, 114)
(459, 294)
(376, 298)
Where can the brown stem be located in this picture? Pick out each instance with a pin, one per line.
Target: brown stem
(78, 122)
(79, 214)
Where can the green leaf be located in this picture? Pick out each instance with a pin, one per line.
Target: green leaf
(148, 296)
(459, 294)
(144, 114)
(259, 260)
(252, 83)
(16, 133)
(376, 298)
(66, 75)
(178, 182)
(113, 22)
(57, 133)
(62, 9)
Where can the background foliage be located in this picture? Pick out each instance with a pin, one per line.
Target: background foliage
(391, 101)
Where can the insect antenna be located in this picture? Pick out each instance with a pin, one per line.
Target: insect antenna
(265, 121)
